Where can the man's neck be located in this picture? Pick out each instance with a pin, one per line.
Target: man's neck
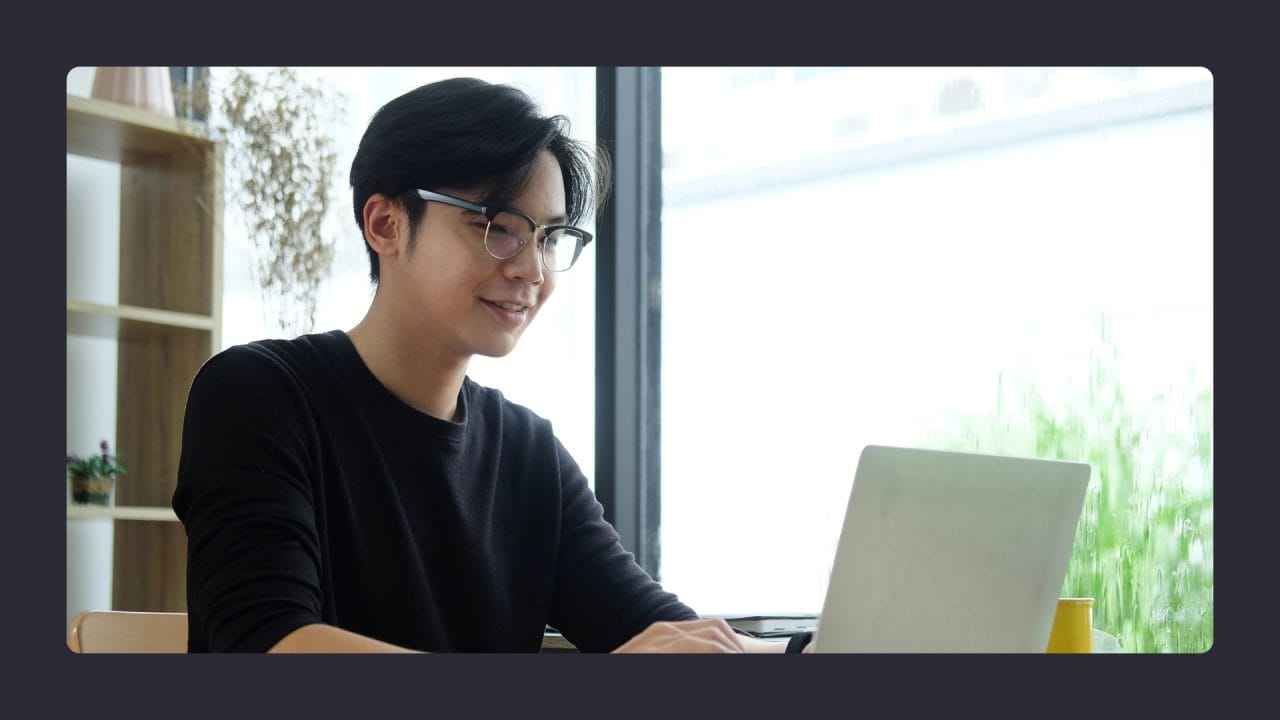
(419, 373)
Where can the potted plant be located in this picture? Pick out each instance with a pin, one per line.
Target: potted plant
(93, 478)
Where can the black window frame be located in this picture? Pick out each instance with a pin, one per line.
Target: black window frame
(628, 310)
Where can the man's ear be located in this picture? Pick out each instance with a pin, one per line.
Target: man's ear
(386, 227)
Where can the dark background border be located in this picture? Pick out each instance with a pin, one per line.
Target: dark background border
(1229, 42)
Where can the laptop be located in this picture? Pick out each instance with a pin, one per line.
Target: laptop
(951, 552)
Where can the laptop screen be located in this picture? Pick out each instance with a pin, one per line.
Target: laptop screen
(951, 552)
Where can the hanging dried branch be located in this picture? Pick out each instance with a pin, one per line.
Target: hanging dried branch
(281, 158)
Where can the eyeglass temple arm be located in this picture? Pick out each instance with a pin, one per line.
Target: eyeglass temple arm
(456, 202)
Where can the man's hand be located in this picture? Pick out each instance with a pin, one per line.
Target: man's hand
(709, 635)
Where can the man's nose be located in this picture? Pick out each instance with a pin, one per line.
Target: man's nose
(527, 263)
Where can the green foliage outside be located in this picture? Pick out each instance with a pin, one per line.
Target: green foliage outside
(1144, 546)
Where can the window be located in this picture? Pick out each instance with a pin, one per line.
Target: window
(1007, 260)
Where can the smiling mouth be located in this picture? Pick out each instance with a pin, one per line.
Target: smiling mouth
(510, 307)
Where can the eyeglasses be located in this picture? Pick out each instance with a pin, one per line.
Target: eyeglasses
(506, 231)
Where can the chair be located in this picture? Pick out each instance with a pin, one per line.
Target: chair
(119, 631)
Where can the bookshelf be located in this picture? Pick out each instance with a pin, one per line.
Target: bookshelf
(165, 323)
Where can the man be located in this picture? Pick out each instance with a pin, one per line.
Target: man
(356, 491)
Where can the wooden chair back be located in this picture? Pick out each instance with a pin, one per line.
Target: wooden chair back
(119, 631)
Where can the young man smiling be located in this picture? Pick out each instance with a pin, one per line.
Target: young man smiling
(356, 491)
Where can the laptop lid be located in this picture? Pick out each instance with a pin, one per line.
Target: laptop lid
(951, 552)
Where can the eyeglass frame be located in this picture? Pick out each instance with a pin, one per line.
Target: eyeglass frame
(492, 212)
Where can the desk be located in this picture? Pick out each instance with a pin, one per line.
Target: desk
(554, 642)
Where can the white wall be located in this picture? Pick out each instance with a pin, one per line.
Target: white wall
(93, 266)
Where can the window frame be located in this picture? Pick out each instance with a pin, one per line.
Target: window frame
(628, 310)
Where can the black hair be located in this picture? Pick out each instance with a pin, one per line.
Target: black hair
(468, 134)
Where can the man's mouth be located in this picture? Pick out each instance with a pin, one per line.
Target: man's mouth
(512, 307)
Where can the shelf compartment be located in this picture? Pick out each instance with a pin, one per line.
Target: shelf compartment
(171, 202)
(150, 567)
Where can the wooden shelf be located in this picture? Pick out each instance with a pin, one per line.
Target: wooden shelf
(167, 323)
(119, 512)
(86, 318)
(112, 131)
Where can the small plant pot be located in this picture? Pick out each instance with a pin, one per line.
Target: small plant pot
(91, 490)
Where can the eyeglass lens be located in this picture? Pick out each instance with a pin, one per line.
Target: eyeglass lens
(508, 232)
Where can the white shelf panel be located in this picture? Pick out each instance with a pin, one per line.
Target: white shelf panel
(122, 512)
(87, 318)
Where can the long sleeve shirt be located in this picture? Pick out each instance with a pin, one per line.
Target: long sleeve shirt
(311, 494)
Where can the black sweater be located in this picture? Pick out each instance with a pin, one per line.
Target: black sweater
(309, 493)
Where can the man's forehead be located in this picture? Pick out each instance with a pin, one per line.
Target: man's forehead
(543, 197)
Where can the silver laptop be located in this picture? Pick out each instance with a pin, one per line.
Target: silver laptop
(951, 552)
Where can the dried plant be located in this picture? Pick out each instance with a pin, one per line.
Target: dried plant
(280, 160)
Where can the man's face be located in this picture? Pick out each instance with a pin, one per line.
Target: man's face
(456, 292)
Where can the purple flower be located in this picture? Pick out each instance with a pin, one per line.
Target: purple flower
(102, 465)
(106, 452)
